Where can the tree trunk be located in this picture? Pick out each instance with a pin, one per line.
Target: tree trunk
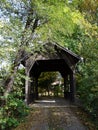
(11, 81)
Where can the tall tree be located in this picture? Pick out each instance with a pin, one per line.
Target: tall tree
(30, 22)
(88, 40)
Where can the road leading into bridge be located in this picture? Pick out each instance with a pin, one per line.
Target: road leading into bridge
(52, 114)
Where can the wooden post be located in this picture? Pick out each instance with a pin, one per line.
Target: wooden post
(72, 86)
(31, 91)
(65, 79)
(36, 88)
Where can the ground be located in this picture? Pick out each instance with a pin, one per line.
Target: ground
(53, 114)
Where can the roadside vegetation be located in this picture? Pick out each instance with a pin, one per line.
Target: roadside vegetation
(29, 24)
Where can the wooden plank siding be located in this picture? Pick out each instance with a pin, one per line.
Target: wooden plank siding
(51, 57)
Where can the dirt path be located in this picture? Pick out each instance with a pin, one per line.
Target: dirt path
(52, 114)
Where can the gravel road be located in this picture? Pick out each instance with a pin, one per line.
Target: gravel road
(56, 114)
(52, 114)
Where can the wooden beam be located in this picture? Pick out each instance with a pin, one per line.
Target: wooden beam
(65, 82)
(72, 86)
(36, 88)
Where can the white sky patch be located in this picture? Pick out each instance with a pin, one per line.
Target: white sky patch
(69, 1)
(21, 66)
(3, 64)
(1, 38)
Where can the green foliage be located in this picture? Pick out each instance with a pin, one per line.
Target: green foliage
(88, 78)
(19, 84)
(45, 83)
(88, 88)
(45, 80)
(12, 112)
(72, 24)
(13, 109)
(58, 90)
(84, 41)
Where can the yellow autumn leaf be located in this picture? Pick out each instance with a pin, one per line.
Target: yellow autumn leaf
(1, 24)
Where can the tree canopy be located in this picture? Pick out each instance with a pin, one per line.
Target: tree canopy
(27, 24)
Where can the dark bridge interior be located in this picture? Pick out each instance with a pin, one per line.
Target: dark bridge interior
(55, 58)
(49, 66)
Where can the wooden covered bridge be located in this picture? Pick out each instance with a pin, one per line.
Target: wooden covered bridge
(50, 57)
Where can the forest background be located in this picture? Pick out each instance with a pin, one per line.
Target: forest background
(28, 24)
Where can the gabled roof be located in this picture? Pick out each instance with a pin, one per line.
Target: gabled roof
(55, 51)
(47, 52)
(52, 51)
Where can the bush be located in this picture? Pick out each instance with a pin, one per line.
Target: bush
(12, 112)
(13, 108)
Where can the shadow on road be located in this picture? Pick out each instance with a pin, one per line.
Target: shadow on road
(52, 113)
